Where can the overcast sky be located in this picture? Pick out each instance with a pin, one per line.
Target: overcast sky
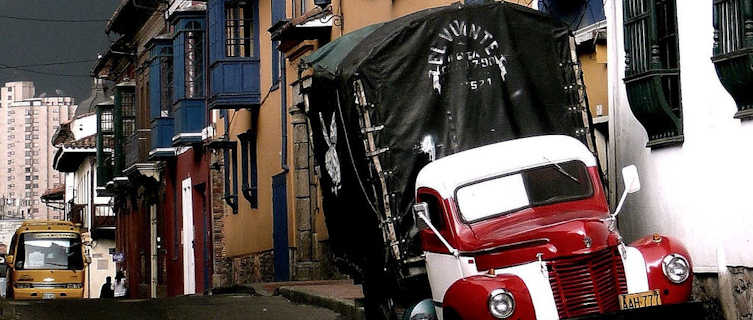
(33, 42)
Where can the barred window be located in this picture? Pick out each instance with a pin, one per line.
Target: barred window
(299, 7)
(729, 26)
(194, 60)
(733, 47)
(166, 83)
(106, 121)
(128, 107)
(239, 29)
(652, 68)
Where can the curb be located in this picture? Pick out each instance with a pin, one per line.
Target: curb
(347, 308)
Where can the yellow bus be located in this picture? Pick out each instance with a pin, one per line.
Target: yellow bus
(46, 260)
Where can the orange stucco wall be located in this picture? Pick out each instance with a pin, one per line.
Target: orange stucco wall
(250, 231)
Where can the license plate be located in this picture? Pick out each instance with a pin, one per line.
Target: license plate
(48, 296)
(640, 300)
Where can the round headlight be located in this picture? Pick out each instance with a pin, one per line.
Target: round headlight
(501, 304)
(676, 268)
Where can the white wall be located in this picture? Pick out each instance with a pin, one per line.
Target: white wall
(84, 126)
(83, 190)
(700, 191)
(101, 267)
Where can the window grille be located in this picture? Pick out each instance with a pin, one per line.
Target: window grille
(652, 74)
(733, 49)
(194, 60)
(128, 107)
(166, 84)
(106, 122)
(238, 29)
(729, 22)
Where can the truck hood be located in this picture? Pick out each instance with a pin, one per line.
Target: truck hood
(553, 235)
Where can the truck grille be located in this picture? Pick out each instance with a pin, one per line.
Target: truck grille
(587, 284)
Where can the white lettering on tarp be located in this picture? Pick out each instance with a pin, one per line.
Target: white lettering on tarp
(459, 34)
(331, 161)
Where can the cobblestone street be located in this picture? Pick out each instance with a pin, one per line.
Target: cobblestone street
(189, 307)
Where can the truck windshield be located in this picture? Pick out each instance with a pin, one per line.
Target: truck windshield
(529, 188)
(49, 250)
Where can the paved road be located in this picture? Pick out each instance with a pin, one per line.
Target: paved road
(194, 307)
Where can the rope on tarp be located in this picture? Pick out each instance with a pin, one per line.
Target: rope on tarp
(353, 162)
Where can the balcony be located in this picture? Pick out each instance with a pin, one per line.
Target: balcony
(735, 73)
(190, 115)
(103, 217)
(75, 214)
(137, 147)
(233, 63)
(163, 130)
(234, 83)
(188, 101)
(650, 96)
(733, 52)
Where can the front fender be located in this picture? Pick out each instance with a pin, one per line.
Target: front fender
(468, 297)
(654, 249)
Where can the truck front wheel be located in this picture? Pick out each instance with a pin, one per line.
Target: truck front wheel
(450, 314)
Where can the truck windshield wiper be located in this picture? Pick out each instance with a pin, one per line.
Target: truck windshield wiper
(561, 170)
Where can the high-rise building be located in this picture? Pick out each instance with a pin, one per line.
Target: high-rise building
(26, 126)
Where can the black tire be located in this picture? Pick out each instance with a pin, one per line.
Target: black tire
(378, 303)
(450, 314)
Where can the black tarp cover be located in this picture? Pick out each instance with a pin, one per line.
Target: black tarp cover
(435, 82)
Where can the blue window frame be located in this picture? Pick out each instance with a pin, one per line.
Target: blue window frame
(278, 13)
(189, 108)
(239, 29)
(161, 96)
(194, 60)
(234, 81)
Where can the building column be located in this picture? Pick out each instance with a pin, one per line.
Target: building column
(306, 262)
(221, 265)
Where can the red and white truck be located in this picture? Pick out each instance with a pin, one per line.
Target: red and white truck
(475, 116)
(530, 236)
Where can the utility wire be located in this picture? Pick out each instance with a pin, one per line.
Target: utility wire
(4, 66)
(52, 20)
(47, 64)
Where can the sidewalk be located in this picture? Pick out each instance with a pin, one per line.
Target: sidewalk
(336, 295)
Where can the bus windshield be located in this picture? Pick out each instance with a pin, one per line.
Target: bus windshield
(49, 250)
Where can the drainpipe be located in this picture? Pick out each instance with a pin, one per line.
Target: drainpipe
(176, 191)
(284, 115)
(153, 251)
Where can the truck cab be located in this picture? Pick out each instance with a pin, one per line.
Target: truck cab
(522, 230)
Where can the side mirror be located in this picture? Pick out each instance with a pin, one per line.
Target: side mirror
(632, 184)
(9, 260)
(421, 214)
(419, 209)
(630, 178)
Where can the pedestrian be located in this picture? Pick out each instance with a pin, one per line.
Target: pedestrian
(106, 291)
(120, 285)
